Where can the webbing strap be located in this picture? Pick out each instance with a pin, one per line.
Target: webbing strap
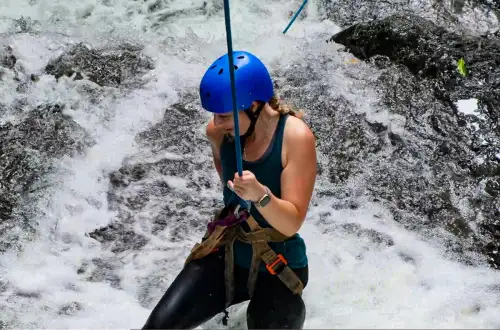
(229, 271)
(261, 251)
(259, 238)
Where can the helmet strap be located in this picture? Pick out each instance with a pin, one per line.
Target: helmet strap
(253, 120)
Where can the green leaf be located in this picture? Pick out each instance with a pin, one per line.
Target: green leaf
(461, 67)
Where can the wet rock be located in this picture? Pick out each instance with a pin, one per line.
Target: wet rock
(27, 149)
(442, 170)
(27, 294)
(168, 186)
(431, 52)
(165, 13)
(102, 270)
(481, 16)
(372, 235)
(369, 240)
(152, 289)
(70, 308)
(13, 77)
(103, 67)
(9, 324)
(24, 24)
(407, 258)
(8, 60)
(120, 238)
(343, 134)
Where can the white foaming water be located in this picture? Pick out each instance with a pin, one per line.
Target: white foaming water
(353, 282)
(467, 107)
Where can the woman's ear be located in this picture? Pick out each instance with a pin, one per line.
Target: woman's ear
(255, 104)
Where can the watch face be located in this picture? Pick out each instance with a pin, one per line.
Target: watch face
(265, 201)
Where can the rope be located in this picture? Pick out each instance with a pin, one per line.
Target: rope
(295, 16)
(239, 161)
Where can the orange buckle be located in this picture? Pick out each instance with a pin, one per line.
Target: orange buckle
(271, 266)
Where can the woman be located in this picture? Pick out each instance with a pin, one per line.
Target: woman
(279, 172)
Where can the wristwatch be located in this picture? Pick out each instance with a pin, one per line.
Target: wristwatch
(264, 200)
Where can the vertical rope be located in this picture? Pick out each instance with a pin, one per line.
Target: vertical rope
(295, 16)
(239, 161)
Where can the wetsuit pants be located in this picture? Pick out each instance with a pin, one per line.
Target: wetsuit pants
(198, 294)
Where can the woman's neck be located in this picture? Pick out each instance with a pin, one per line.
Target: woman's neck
(265, 126)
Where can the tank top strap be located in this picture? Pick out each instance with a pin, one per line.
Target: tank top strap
(280, 132)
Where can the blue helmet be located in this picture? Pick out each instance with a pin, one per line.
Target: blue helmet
(252, 81)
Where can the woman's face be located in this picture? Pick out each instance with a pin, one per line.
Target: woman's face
(225, 122)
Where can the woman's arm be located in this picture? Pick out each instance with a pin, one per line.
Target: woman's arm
(215, 137)
(287, 214)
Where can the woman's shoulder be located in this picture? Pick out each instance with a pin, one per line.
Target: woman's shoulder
(297, 131)
(299, 142)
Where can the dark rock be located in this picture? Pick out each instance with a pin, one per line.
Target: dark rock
(165, 16)
(26, 294)
(451, 15)
(140, 186)
(27, 148)
(431, 52)
(9, 60)
(443, 161)
(103, 270)
(119, 238)
(407, 258)
(105, 68)
(70, 308)
(24, 25)
(372, 235)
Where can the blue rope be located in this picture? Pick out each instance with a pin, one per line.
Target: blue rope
(239, 161)
(295, 16)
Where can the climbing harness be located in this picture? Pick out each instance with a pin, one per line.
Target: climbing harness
(225, 229)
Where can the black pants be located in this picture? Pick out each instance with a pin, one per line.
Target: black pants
(198, 293)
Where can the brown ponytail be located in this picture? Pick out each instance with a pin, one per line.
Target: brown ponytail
(282, 108)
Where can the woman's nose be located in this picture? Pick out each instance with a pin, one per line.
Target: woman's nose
(221, 121)
(217, 121)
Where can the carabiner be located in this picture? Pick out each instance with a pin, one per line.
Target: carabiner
(236, 211)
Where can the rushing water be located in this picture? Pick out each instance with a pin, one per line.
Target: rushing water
(366, 270)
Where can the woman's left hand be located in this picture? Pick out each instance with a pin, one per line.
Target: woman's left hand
(247, 186)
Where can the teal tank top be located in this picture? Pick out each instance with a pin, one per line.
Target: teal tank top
(267, 170)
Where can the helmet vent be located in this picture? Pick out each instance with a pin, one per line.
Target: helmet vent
(221, 70)
(213, 66)
(236, 67)
(241, 56)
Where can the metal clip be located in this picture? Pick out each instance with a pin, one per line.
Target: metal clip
(236, 211)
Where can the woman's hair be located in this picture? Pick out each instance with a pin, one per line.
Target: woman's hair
(283, 108)
(280, 107)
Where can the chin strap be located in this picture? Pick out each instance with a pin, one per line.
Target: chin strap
(253, 120)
